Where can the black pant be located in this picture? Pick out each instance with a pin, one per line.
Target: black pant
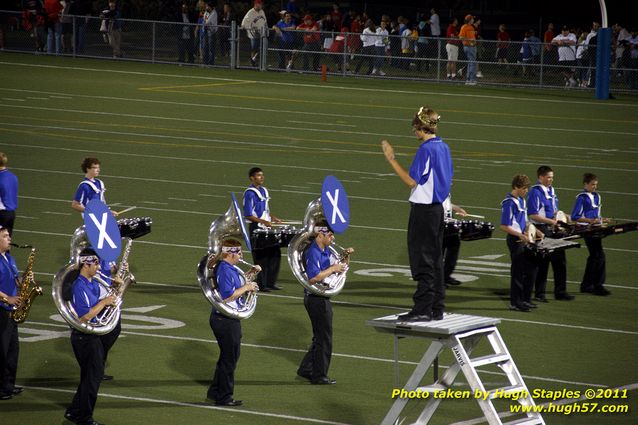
(228, 334)
(7, 218)
(90, 352)
(317, 360)
(451, 248)
(186, 50)
(9, 351)
(425, 249)
(559, 266)
(523, 271)
(270, 260)
(594, 276)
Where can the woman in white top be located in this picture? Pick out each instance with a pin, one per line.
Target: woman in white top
(368, 38)
(381, 43)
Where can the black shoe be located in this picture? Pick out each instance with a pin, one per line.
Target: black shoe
(437, 315)
(276, 287)
(453, 282)
(411, 317)
(588, 289)
(520, 307)
(564, 297)
(529, 304)
(601, 291)
(324, 380)
(6, 396)
(541, 299)
(90, 423)
(264, 289)
(69, 417)
(17, 390)
(107, 377)
(229, 403)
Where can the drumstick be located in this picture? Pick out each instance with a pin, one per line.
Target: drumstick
(125, 210)
(471, 215)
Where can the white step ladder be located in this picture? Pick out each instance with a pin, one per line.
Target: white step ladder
(461, 334)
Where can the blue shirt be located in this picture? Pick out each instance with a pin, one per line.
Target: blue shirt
(8, 275)
(8, 190)
(317, 260)
(227, 278)
(587, 205)
(86, 294)
(432, 171)
(255, 205)
(287, 36)
(542, 201)
(86, 192)
(513, 213)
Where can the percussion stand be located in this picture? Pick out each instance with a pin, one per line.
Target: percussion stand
(460, 333)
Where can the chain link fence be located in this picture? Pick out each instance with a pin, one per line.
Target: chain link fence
(495, 63)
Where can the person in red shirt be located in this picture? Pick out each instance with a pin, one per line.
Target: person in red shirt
(54, 26)
(503, 44)
(452, 47)
(337, 48)
(337, 17)
(311, 42)
(550, 52)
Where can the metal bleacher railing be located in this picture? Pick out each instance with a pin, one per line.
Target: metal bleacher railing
(513, 63)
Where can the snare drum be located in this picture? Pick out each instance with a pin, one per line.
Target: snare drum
(286, 235)
(474, 230)
(452, 228)
(265, 238)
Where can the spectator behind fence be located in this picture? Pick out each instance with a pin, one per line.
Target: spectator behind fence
(566, 42)
(550, 50)
(186, 34)
(368, 38)
(226, 20)
(53, 8)
(468, 36)
(530, 51)
(255, 24)
(503, 44)
(80, 8)
(622, 44)
(591, 41)
(337, 49)
(435, 23)
(285, 39)
(633, 46)
(452, 47)
(67, 26)
(210, 34)
(113, 26)
(380, 46)
(424, 32)
(311, 43)
(336, 16)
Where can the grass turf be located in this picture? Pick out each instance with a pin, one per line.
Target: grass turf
(174, 142)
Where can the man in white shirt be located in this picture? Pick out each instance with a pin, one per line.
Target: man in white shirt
(435, 23)
(566, 42)
(210, 34)
(255, 24)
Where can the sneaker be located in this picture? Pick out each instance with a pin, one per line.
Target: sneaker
(541, 299)
(479, 74)
(410, 317)
(564, 297)
(470, 83)
(381, 73)
(449, 76)
(453, 75)
(374, 72)
(520, 308)
(601, 291)
(452, 281)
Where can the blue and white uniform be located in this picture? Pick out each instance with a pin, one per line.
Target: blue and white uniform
(317, 260)
(514, 213)
(542, 200)
(88, 190)
(8, 199)
(8, 275)
(432, 171)
(588, 205)
(9, 341)
(86, 294)
(228, 280)
(256, 202)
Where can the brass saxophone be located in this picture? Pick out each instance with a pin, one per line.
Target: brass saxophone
(28, 290)
(121, 282)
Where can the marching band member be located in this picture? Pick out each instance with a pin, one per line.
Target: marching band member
(514, 223)
(9, 344)
(91, 187)
(227, 331)
(542, 208)
(586, 212)
(90, 349)
(257, 211)
(319, 267)
(429, 179)
(8, 194)
(451, 243)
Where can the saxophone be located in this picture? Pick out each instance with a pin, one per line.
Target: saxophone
(123, 278)
(27, 291)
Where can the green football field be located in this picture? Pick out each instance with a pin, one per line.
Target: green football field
(175, 141)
